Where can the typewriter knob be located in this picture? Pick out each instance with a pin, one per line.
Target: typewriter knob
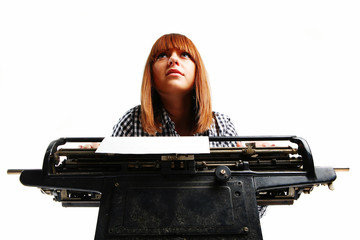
(222, 173)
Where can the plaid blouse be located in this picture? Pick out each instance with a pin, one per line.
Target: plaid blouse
(130, 126)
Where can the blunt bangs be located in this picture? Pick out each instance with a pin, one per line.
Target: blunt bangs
(173, 41)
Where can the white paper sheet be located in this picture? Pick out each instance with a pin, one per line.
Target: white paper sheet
(154, 145)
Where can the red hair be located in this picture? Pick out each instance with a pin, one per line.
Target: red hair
(150, 100)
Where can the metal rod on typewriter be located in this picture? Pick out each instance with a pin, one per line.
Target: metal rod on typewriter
(14, 171)
(341, 169)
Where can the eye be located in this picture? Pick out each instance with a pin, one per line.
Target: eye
(161, 55)
(185, 55)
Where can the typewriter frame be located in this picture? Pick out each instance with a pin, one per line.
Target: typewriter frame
(200, 196)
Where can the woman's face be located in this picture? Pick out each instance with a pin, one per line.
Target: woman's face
(173, 73)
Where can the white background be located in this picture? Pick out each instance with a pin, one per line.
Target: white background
(72, 68)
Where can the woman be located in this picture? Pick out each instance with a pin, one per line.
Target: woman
(175, 96)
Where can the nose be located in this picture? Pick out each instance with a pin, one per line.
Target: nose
(173, 59)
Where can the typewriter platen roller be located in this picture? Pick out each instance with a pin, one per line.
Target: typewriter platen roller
(189, 196)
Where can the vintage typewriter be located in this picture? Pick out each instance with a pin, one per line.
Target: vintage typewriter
(180, 196)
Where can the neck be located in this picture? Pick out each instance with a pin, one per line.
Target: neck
(181, 113)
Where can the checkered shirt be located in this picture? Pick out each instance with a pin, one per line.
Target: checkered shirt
(130, 125)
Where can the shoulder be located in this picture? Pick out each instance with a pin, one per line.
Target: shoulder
(132, 115)
(224, 123)
(221, 117)
(132, 112)
(223, 127)
(125, 125)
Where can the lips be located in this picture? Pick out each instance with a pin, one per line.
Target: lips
(174, 71)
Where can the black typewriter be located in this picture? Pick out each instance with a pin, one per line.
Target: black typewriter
(180, 196)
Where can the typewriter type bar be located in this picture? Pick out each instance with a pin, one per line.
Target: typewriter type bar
(169, 196)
